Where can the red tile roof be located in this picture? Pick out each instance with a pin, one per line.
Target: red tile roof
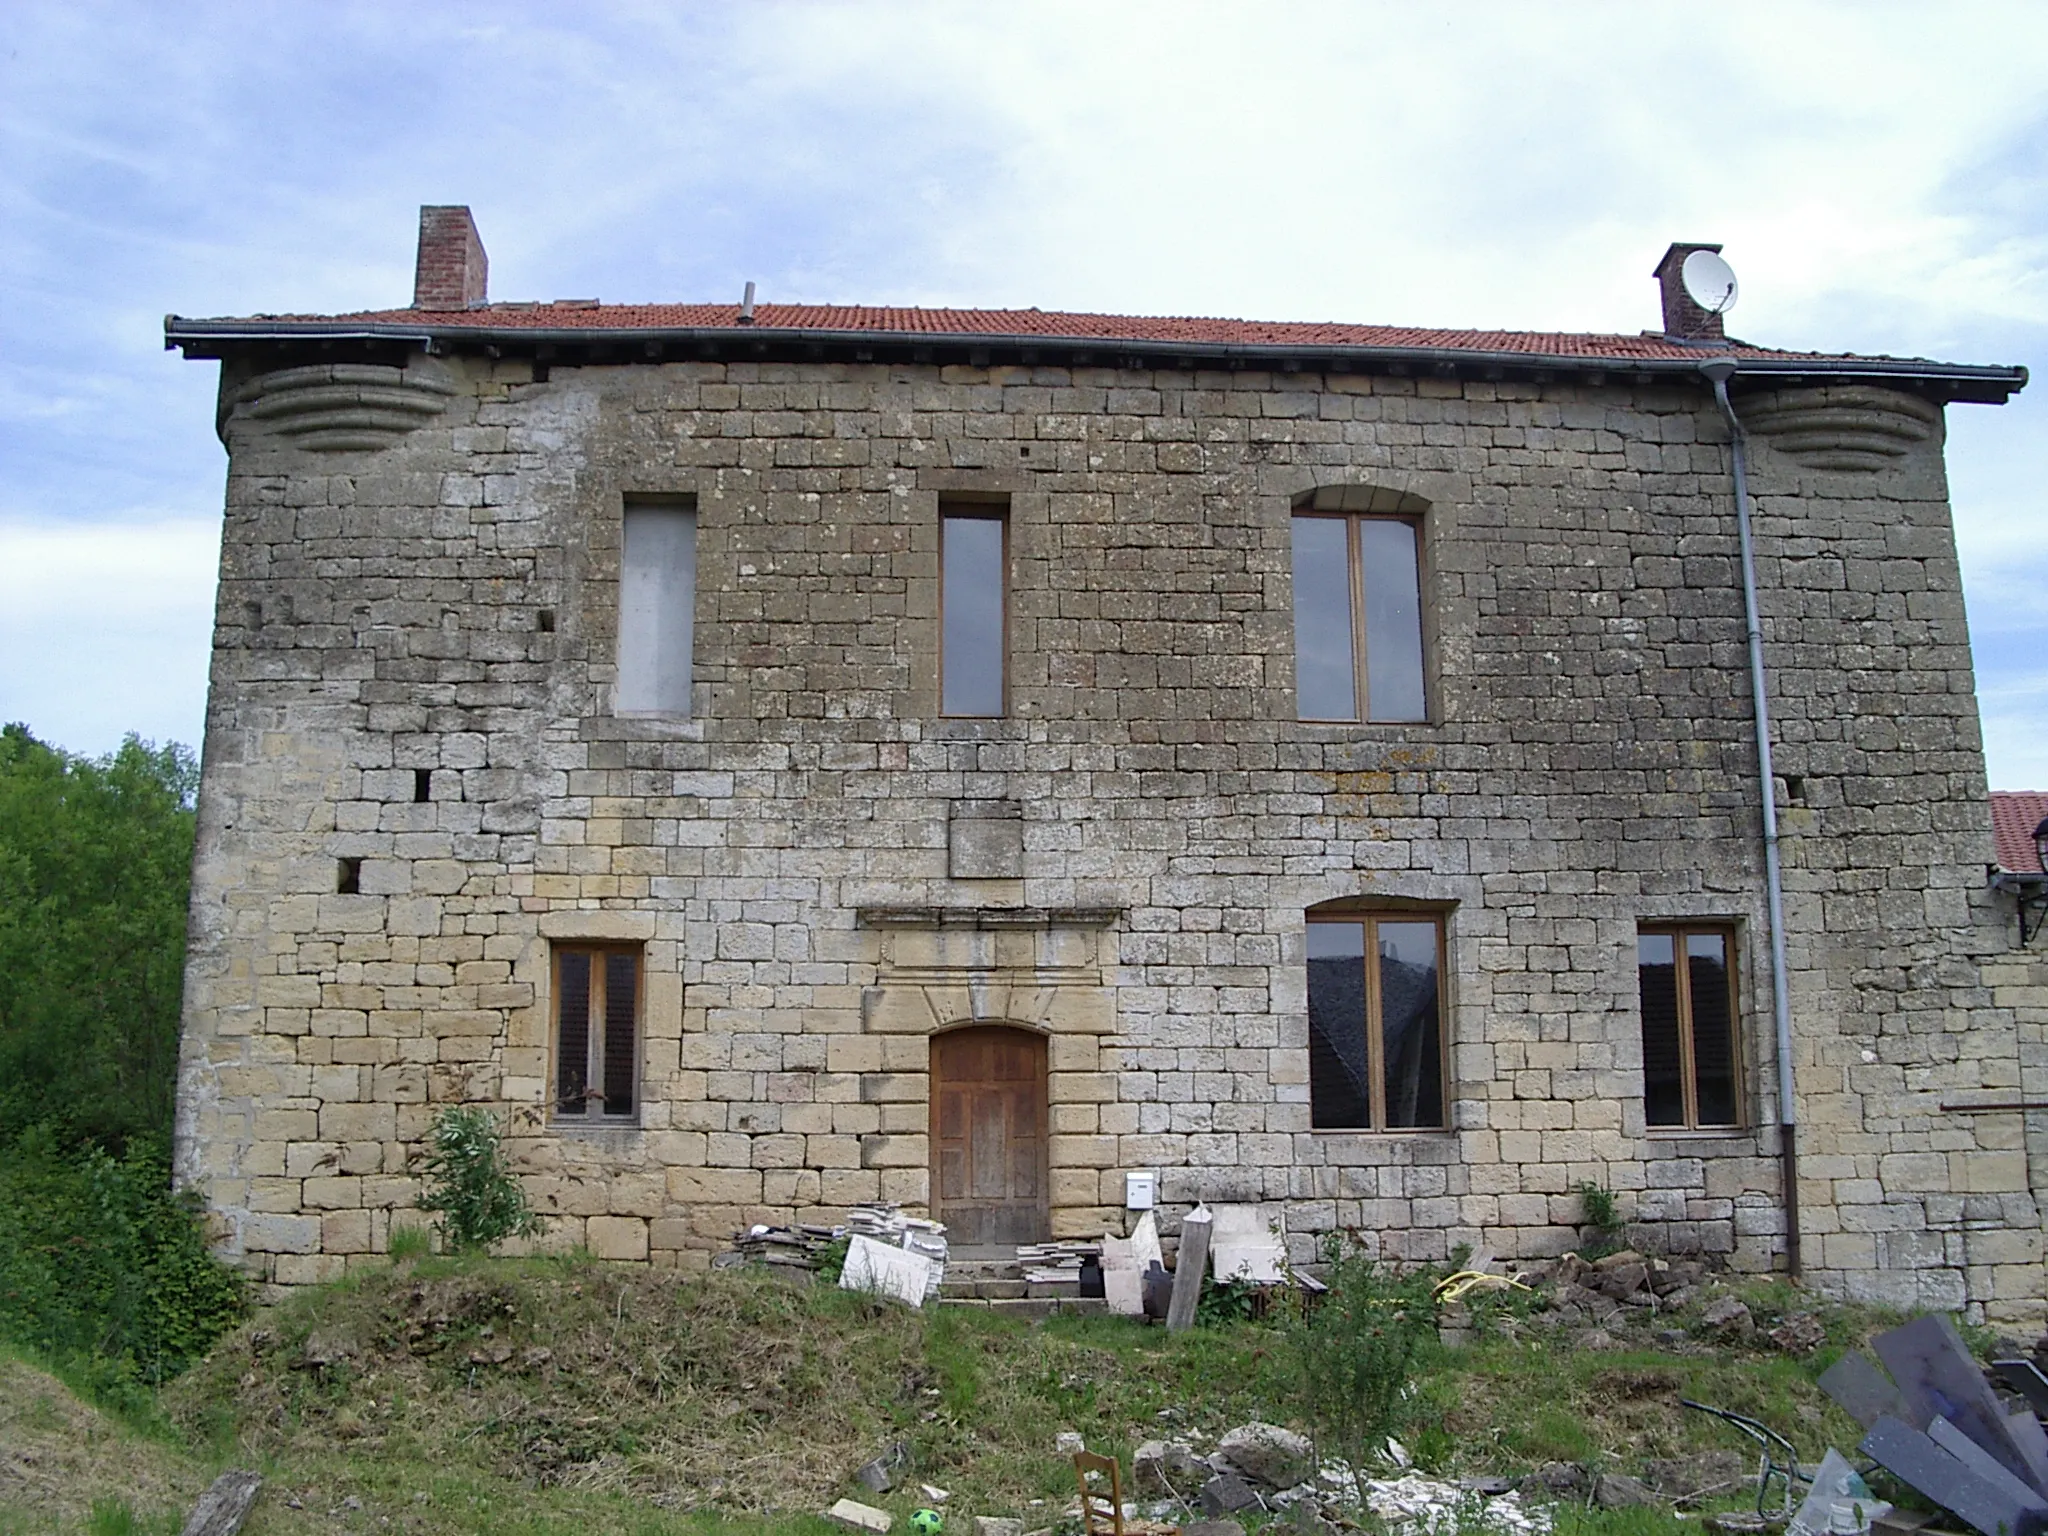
(2014, 815)
(574, 315)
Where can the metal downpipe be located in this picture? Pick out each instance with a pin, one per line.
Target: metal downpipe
(1719, 370)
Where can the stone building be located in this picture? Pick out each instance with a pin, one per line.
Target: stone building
(789, 756)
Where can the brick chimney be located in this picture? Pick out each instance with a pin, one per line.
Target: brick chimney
(452, 268)
(1682, 317)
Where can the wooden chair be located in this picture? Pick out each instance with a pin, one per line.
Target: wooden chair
(1084, 1463)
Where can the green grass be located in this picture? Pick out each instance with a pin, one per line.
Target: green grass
(544, 1396)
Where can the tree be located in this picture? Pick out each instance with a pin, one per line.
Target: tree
(95, 872)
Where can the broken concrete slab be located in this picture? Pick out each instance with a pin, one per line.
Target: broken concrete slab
(1728, 1320)
(1616, 1490)
(1166, 1466)
(860, 1517)
(225, 1504)
(1226, 1494)
(997, 1525)
(1269, 1454)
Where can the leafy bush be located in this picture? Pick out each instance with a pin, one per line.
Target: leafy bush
(1354, 1351)
(95, 871)
(480, 1203)
(103, 1268)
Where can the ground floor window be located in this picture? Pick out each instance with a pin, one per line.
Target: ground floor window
(597, 1032)
(1691, 1070)
(1375, 1022)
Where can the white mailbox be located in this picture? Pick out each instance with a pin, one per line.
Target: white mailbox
(1141, 1191)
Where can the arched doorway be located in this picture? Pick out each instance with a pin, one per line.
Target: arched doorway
(989, 1136)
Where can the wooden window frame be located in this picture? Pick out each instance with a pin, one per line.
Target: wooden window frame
(1375, 1039)
(1688, 1071)
(993, 511)
(1354, 568)
(595, 1042)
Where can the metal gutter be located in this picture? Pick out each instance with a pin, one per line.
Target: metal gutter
(2000, 381)
(1719, 371)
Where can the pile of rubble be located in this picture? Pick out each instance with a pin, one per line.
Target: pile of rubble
(1600, 1302)
(1259, 1469)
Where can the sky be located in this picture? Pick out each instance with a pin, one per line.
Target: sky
(1877, 173)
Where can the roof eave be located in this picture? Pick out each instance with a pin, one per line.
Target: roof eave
(217, 338)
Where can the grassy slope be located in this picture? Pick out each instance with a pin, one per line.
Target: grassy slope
(559, 1396)
(60, 1456)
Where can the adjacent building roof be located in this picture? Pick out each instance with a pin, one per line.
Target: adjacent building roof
(2015, 814)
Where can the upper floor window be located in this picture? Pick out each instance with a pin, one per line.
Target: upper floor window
(1358, 606)
(1691, 1067)
(597, 1032)
(657, 606)
(974, 604)
(1375, 1022)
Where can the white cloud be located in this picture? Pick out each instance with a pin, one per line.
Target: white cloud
(106, 628)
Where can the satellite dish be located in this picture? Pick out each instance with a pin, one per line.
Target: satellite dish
(1709, 282)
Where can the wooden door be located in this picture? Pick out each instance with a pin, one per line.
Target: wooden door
(988, 1136)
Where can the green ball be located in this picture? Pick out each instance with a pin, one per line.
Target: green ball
(927, 1522)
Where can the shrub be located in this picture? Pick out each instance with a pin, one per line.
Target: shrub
(1603, 1215)
(1353, 1353)
(480, 1203)
(103, 1268)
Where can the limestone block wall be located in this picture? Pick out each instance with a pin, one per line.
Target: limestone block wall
(438, 593)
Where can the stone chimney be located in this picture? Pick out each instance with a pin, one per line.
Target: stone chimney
(1682, 317)
(452, 269)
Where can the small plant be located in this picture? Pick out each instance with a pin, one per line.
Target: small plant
(410, 1243)
(1354, 1352)
(480, 1203)
(1603, 1215)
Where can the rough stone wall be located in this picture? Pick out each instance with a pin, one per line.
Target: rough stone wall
(435, 588)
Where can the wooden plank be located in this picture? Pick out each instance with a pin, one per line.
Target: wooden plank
(1188, 1270)
(1864, 1392)
(1940, 1379)
(1916, 1460)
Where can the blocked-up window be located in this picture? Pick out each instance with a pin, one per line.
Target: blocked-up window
(657, 607)
(1375, 1022)
(1691, 1058)
(597, 1032)
(974, 604)
(1358, 615)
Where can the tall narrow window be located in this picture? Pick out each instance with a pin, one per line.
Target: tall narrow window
(1690, 1062)
(1375, 1023)
(1358, 617)
(974, 603)
(657, 607)
(597, 1033)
